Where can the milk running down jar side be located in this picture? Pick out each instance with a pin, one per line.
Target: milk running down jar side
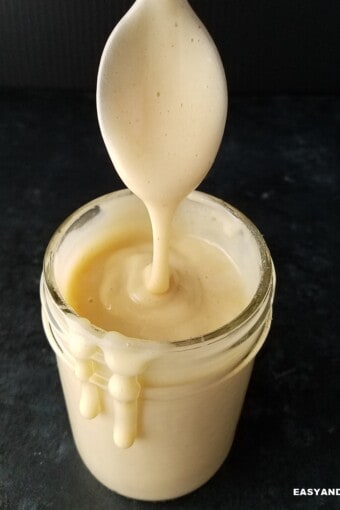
(154, 420)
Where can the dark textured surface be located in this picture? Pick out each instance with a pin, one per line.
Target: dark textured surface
(278, 164)
(267, 46)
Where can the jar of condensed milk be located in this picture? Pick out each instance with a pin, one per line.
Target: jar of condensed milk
(154, 420)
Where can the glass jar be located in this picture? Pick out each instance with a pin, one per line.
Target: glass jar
(155, 420)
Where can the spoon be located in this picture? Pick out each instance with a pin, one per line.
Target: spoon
(162, 105)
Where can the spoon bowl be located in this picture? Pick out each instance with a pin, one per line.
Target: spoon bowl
(161, 99)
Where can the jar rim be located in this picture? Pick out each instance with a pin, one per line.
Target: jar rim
(266, 283)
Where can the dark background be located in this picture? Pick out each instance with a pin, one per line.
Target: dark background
(268, 46)
(279, 163)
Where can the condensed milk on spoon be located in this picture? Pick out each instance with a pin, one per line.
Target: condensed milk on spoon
(162, 104)
(156, 324)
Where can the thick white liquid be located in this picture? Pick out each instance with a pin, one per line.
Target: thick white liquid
(108, 287)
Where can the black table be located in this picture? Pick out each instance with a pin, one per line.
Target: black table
(278, 164)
